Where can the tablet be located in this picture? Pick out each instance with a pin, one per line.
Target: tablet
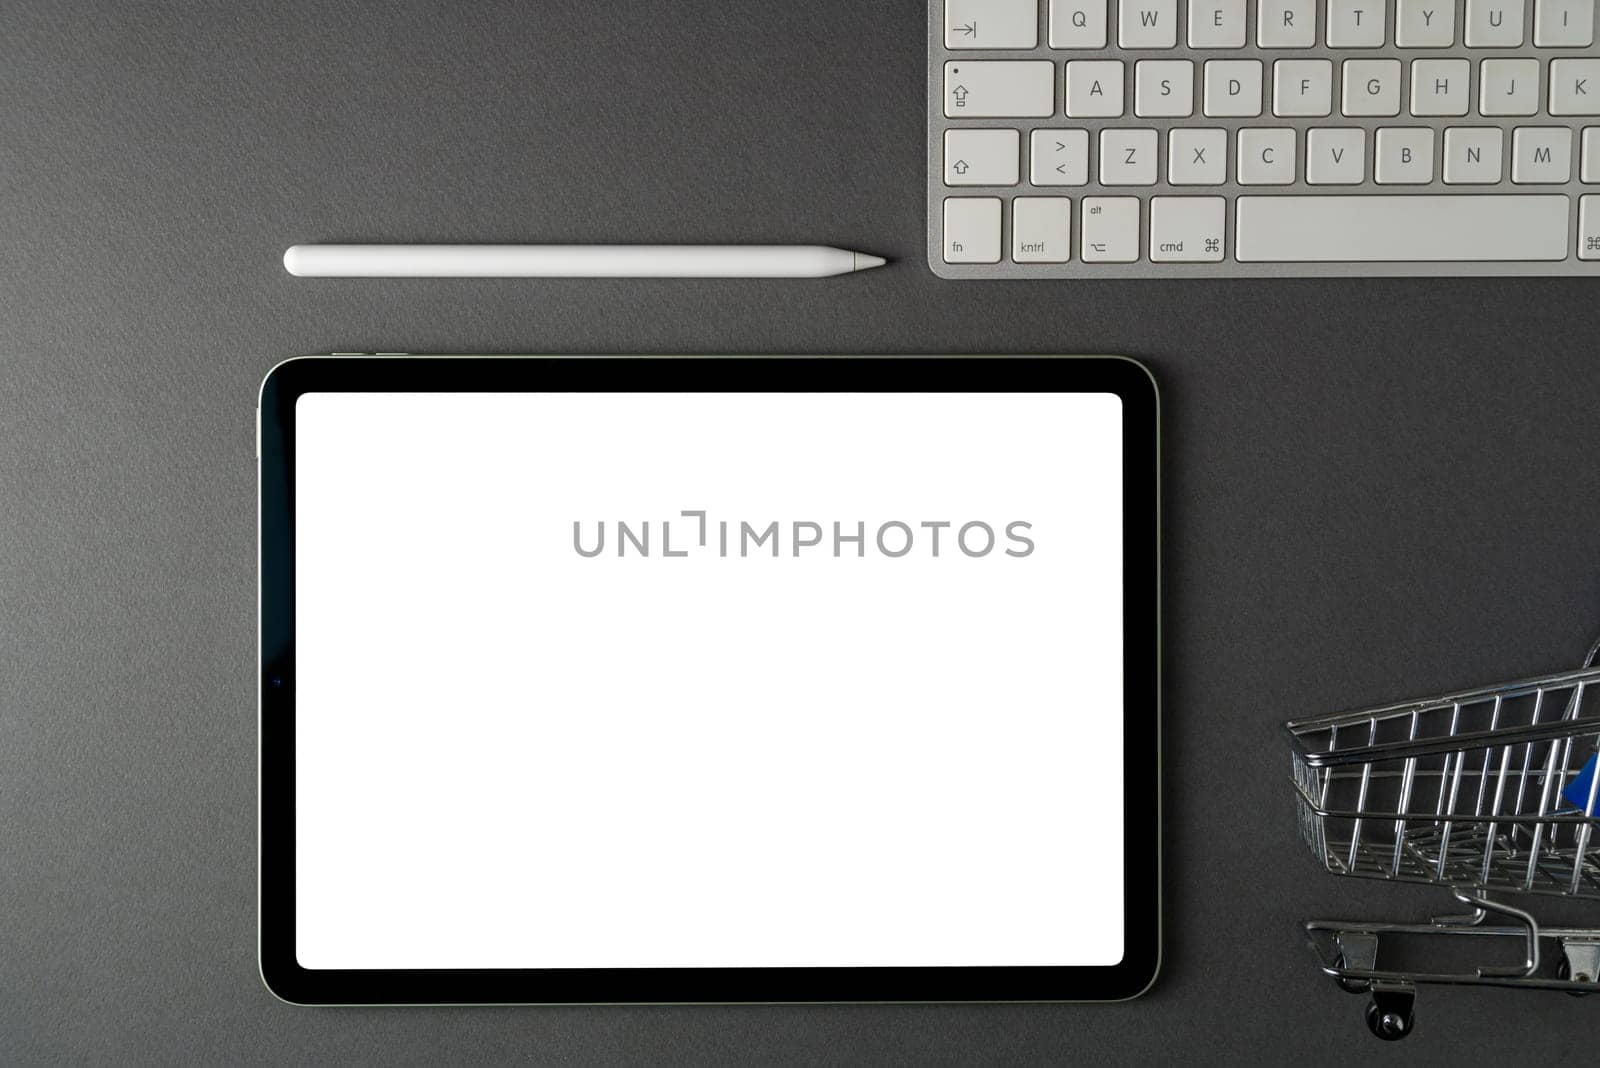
(672, 679)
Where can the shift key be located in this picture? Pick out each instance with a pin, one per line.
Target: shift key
(1000, 88)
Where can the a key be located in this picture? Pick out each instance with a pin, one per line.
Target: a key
(1371, 87)
(1163, 88)
(1425, 24)
(1563, 23)
(1077, 23)
(1041, 229)
(1439, 86)
(1472, 155)
(1197, 157)
(1266, 157)
(1494, 23)
(1591, 155)
(972, 229)
(1187, 229)
(1110, 227)
(1403, 155)
(1508, 87)
(1336, 156)
(991, 24)
(1059, 157)
(1147, 23)
(1302, 87)
(1094, 88)
(1575, 87)
(1005, 88)
(1356, 23)
(1390, 229)
(1286, 23)
(1127, 157)
(1541, 155)
(1233, 87)
(1216, 24)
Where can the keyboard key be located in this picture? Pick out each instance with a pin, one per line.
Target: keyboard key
(1197, 157)
(991, 24)
(1163, 87)
(1541, 155)
(1059, 157)
(981, 157)
(1266, 157)
(1403, 156)
(1233, 87)
(1127, 157)
(1425, 24)
(1077, 23)
(1472, 155)
(1094, 88)
(1286, 23)
(1589, 228)
(1216, 24)
(1371, 87)
(1575, 87)
(1392, 229)
(1563, 23)
(1110, 228)
(1147, 23)
(1302, 87)
(1041, 229)
(1336, 156)
(1187, 229)
(1440, 86)
(1356, 23)
(1591, 154)
(972, 230)
(1494, 23)
(989, 89)
(1508, 87)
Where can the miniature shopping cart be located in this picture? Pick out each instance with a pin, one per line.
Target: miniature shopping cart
(1486, 792)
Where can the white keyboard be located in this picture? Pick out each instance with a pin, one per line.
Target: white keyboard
(1249, 138)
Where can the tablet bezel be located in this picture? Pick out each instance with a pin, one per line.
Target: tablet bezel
(1126, 378)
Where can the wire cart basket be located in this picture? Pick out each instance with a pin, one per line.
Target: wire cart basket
(1489, 791)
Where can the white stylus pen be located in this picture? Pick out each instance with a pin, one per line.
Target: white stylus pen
(574, 261)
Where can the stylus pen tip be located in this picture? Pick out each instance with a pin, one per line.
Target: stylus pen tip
(865, 262)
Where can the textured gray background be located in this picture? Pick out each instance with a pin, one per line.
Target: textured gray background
(1373, 488)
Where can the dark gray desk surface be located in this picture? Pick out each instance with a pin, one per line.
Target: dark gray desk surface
(1373, 488)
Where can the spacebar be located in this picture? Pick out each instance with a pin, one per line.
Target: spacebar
(1376, 229)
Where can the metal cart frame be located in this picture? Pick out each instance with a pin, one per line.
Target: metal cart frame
(1480, 791)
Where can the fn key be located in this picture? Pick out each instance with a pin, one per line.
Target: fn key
(972, 230)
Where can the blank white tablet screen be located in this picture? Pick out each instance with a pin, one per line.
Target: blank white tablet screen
(865, 710)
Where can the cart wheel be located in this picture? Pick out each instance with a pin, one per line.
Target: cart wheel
(1346, 983)
(1390, 1026)
(1564, 973)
